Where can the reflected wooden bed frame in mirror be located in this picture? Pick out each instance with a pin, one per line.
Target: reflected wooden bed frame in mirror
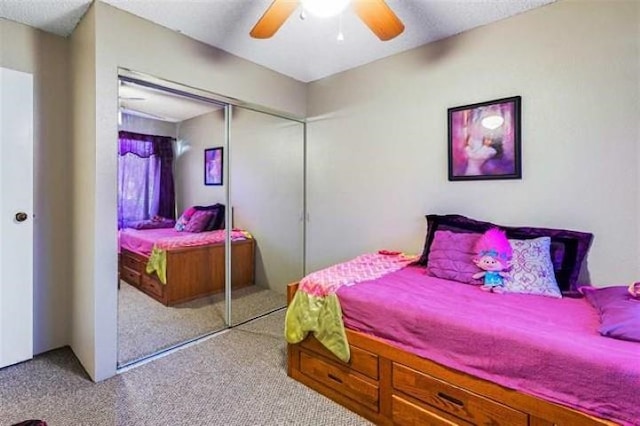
(192, 272)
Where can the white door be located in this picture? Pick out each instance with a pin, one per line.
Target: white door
(16, 221)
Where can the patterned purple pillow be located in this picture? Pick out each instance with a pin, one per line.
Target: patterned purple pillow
(184, 219)
(531, 268)
(568, 248)
(217, 220)
(450, 257)
(181, 223)
(198, 221)
(619, 311)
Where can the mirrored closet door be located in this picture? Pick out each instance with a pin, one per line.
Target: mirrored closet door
(210, 214)
(266, 175)
(170, 220)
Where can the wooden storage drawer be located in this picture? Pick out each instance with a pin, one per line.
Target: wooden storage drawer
(408, 413)
(454, 400)
(361, 361)
(132, 277)
(131, 262)
(341, 380)
(151, 285)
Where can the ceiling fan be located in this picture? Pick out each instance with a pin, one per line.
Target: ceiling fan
(376, 14)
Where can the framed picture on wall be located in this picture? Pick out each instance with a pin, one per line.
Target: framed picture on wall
(484, 140)
(213, 163)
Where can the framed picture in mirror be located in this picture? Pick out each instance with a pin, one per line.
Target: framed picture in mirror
(213, 163)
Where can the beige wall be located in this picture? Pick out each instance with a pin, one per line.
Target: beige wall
(47, 57)
(86, 260)
(377, 137)
(194, 136)
(140, 45)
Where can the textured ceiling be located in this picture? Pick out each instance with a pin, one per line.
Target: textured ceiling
(306, 50)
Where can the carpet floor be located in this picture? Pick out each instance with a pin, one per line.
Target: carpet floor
(146, 326)
(235, 378)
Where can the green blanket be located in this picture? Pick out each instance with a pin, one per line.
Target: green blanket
(321, 316)
(158, 263)
(315, 307)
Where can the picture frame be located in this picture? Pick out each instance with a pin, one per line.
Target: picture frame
(484, 140)
(213, 166)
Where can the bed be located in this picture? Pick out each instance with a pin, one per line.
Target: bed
(424, 350)
(175, 267)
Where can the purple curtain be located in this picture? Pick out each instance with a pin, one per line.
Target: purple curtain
(145, 178)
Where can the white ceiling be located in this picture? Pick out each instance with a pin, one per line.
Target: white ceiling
(306, 50)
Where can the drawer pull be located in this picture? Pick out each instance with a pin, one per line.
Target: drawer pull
(334, 378)
(451, 399)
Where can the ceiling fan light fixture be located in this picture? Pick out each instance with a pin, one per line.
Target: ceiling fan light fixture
(324, 8)
(376, 14)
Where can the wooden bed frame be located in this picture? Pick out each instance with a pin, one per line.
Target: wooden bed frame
(192, 272)
(389, 386)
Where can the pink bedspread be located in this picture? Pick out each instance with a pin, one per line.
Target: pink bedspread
(538, 345)
(142, 241)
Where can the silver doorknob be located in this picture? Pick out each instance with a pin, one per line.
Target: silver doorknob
(21, 216)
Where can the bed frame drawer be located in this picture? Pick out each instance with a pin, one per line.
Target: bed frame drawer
(453, 400)
(361, 361)
(341, 380)
(405, 413)
(151, 285)
(129, 260)
(130, 276)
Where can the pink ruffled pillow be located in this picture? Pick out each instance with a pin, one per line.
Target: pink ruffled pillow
(199, 221)
(184, 219)
(532, 269)
(188, 213)
(450, 257)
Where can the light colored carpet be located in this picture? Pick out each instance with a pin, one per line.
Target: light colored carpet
(236, 378)
(146, 326)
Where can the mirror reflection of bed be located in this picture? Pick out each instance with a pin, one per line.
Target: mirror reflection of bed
(172, 224)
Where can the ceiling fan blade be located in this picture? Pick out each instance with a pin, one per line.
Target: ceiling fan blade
(273, 18)
(379, 17)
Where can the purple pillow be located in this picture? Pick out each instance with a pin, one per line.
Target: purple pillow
(217, 220)
(568, 248)
(450, 257)
(155, 223)
(184, 219)
(198, 221)
(619, 311)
